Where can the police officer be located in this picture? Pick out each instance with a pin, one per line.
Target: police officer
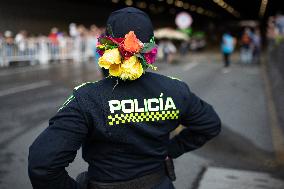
(123, 125)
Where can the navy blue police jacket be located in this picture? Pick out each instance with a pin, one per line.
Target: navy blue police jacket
(123, 128)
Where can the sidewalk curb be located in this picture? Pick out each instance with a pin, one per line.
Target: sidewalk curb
(199, 177)
(224, 178)
(276, 131)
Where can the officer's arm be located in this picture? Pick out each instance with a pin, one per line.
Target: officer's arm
(56, 147)
(201, 122)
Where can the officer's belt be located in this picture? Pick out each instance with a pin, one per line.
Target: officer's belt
(144, 182)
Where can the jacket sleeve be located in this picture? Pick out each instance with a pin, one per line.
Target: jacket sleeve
(201, 124)
(56, 147)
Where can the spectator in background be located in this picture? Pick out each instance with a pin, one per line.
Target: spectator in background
(246, 46)
(9, 43)
(33, 48)
(227, 47)
(21, 42)
(169, 51)
(184, 47)
(43, 49)
(62, 44)
(256, 41)
(53, 37)
(80, 44)
(73, 32)
(279, 21)
(270, 31)
(90, 42)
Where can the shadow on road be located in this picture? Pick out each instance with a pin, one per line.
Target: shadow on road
(230, 149)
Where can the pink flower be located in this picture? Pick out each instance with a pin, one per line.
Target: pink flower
(151, 56)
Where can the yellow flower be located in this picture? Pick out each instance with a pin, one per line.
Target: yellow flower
(115, 70)
(111, 56)
(131, 69)
(129, 63)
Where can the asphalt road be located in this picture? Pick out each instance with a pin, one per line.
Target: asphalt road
(29, 96)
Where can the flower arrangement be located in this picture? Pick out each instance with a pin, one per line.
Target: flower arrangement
(126, 58)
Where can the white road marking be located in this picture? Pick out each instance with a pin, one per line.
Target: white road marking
(24, 88)
(22, 70)
(190, 66)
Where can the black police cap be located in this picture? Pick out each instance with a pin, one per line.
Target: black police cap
(131, 19)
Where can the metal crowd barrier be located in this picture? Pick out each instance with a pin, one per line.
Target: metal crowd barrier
(42, 50)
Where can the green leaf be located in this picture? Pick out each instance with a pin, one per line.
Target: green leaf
(152, 40)
(148, 47)
(139, 56)
(144, 63)
(111, 46)
(106, 41)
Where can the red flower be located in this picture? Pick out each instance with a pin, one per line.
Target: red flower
(124, 53)
(117, 41)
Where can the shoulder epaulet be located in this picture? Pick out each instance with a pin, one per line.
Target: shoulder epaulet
(69, 99)
(72, 97)
(174, 78)
(83, 84)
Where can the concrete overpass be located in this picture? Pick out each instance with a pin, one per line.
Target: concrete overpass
(40, 16)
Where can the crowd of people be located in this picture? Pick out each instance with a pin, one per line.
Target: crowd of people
(250, 45)
(78, 44)
(275, 29)
(250, 41)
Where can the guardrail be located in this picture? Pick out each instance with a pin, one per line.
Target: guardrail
(43, 50)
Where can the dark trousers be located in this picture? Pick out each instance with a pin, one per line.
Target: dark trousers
(82, 180)
(226, 57)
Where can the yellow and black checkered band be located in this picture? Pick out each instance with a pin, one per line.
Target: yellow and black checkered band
(137, 117)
